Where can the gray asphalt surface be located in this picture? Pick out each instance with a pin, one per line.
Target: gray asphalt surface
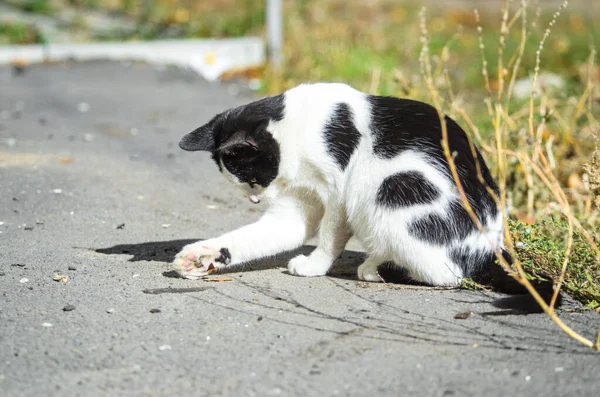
(112, 218)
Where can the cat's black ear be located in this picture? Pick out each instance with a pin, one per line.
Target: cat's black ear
(239, 139)
(201, 138)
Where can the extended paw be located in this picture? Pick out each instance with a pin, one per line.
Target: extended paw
(307, 267)
(368, 272)
(197, 260)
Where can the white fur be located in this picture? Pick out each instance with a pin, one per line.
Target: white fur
(311, 193)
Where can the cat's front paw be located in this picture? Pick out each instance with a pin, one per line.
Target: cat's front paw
(305, 266)
(198, 260)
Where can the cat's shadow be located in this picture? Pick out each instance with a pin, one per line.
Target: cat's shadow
(165, 251)
(345, 268)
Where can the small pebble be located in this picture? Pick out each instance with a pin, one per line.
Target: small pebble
(28, 228)
(463, 316)
(110, 310)
(11, 142)
(68, 308)
(83, 107)
(72, 268)
(154, 310)
(88, 137)
(164, 347)
(527, 378)
(260, 318)
(121, 226)
(559, 369)
(165, 225)
(57, 191)
(135, 275)
(1, 223)
(46, 325)
(23, 280)
(61, 278)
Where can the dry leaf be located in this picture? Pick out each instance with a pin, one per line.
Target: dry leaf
(463, 316)
(219, 279)
(61, 278)
(65, 160)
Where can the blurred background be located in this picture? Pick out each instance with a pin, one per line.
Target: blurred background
(478, 69)
(323, 39)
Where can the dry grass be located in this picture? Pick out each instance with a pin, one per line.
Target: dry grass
(534, 153)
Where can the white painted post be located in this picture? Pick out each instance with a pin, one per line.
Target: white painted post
(274, 31)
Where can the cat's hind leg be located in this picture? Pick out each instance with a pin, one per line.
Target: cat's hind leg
(367, 271)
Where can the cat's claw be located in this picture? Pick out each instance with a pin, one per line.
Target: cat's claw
(304, 266)
(196, 261)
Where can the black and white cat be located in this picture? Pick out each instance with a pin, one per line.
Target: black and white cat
(336, 162)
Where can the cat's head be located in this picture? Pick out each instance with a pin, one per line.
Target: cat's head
(245, 152)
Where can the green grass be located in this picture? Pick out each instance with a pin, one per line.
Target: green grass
(34, 6)
(541, 248)
(17, 33)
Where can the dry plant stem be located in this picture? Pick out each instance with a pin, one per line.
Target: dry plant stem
(502, 44)
(590, 81)
(520, 53)
(375, 79)
(484, 69)
(557, 191)
(426, 70)
(537, 63)
(545, 174)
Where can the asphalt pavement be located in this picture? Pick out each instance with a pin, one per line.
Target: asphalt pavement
(96, 200)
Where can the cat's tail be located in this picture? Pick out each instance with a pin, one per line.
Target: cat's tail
(495, 277)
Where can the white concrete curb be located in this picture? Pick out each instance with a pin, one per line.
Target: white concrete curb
(208, 57)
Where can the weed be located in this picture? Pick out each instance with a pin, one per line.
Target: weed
(541, 248)
(18, 33)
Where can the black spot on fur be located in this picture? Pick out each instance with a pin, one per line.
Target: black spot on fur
(225, 256)
(341, 136)
(441, 229)
(392, 273)
(405, 189)
(471, 261)
(402, 124)
(433, 228)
